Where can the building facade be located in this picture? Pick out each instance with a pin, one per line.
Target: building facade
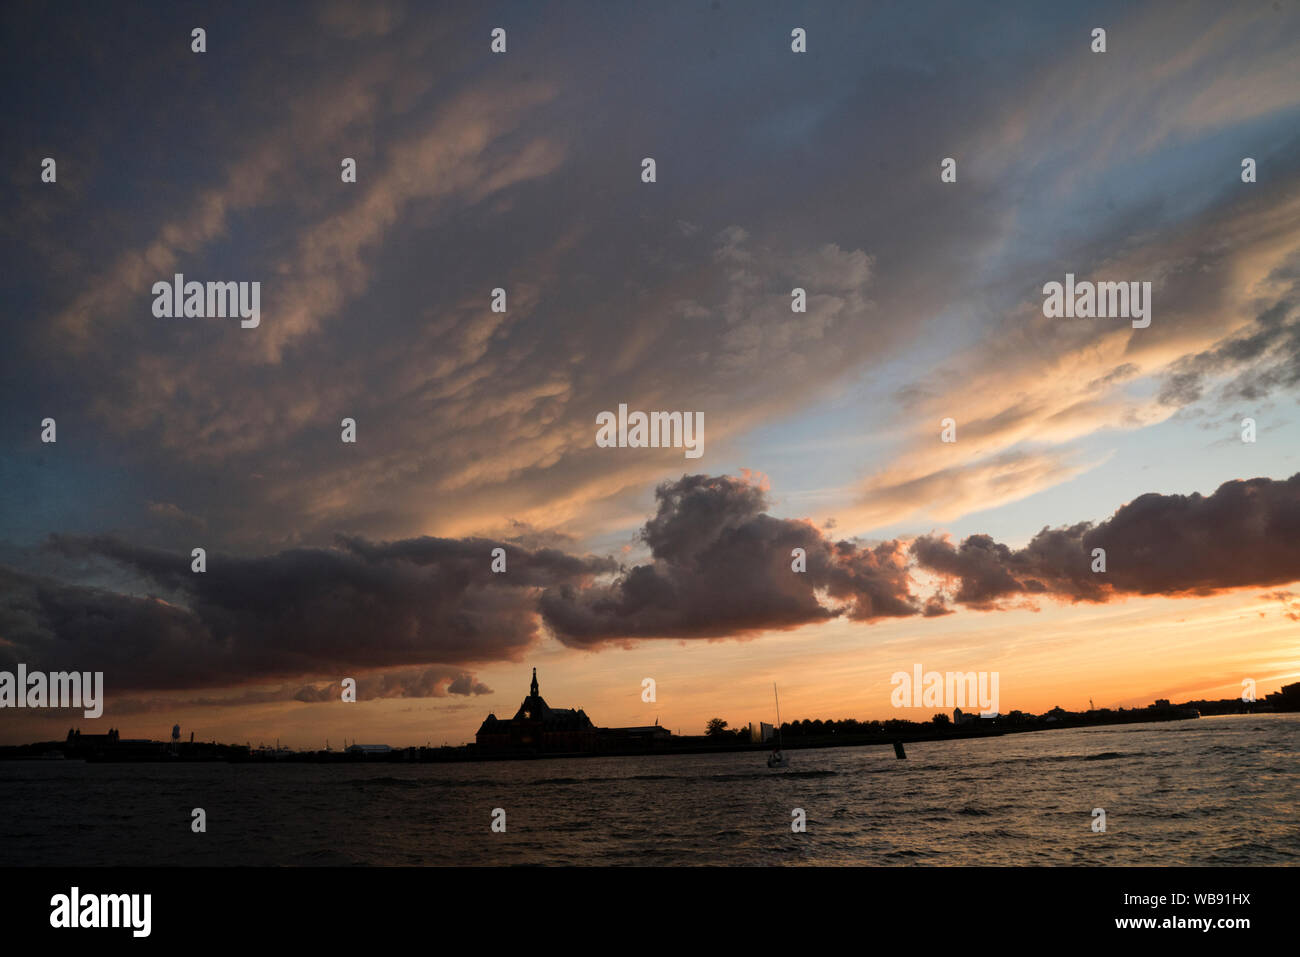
(538, 728)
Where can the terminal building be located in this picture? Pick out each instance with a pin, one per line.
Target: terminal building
(539, 728)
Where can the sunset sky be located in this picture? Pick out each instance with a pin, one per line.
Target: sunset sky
(476, 429)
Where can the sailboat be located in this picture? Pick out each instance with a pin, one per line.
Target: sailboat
(777, 758)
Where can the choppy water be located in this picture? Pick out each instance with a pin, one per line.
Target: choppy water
(1213, 791)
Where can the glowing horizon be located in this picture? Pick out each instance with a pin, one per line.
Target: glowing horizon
(440, 343)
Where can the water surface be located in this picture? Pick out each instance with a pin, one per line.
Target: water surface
(1212, 791)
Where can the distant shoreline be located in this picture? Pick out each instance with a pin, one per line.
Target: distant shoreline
(154, 752)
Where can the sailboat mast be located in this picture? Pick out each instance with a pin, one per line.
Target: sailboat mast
(778, 714)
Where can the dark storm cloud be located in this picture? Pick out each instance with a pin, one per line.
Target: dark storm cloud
(981, 565)
(1262, 360)
(438, 682)
(1245, 533)
(722, 566)
(299, 612)
(465, 558)
(417, 683)
(421, 610)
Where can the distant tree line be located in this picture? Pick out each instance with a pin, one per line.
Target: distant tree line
(817, 728)
(808, 728)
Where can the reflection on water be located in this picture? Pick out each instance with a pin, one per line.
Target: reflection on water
(1214, 791)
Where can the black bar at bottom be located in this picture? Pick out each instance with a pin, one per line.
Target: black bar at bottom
(947, 907)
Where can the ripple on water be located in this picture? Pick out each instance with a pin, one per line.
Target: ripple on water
(1173, 795)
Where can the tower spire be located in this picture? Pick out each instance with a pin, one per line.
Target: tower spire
(532, 690)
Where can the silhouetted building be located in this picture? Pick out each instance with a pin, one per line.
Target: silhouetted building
(537, 726)
(111, 746)
(540, 728)
(1288, 699)
(643, 738)
(77, 739)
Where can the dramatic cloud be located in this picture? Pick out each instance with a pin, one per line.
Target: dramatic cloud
(421, 610)
(1246, 533)
(1251, 365)
(413, 683)
(776, 172)
(420, 683)
(304, 612)
(478, 171)
(1035, 388)
(722, 566)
